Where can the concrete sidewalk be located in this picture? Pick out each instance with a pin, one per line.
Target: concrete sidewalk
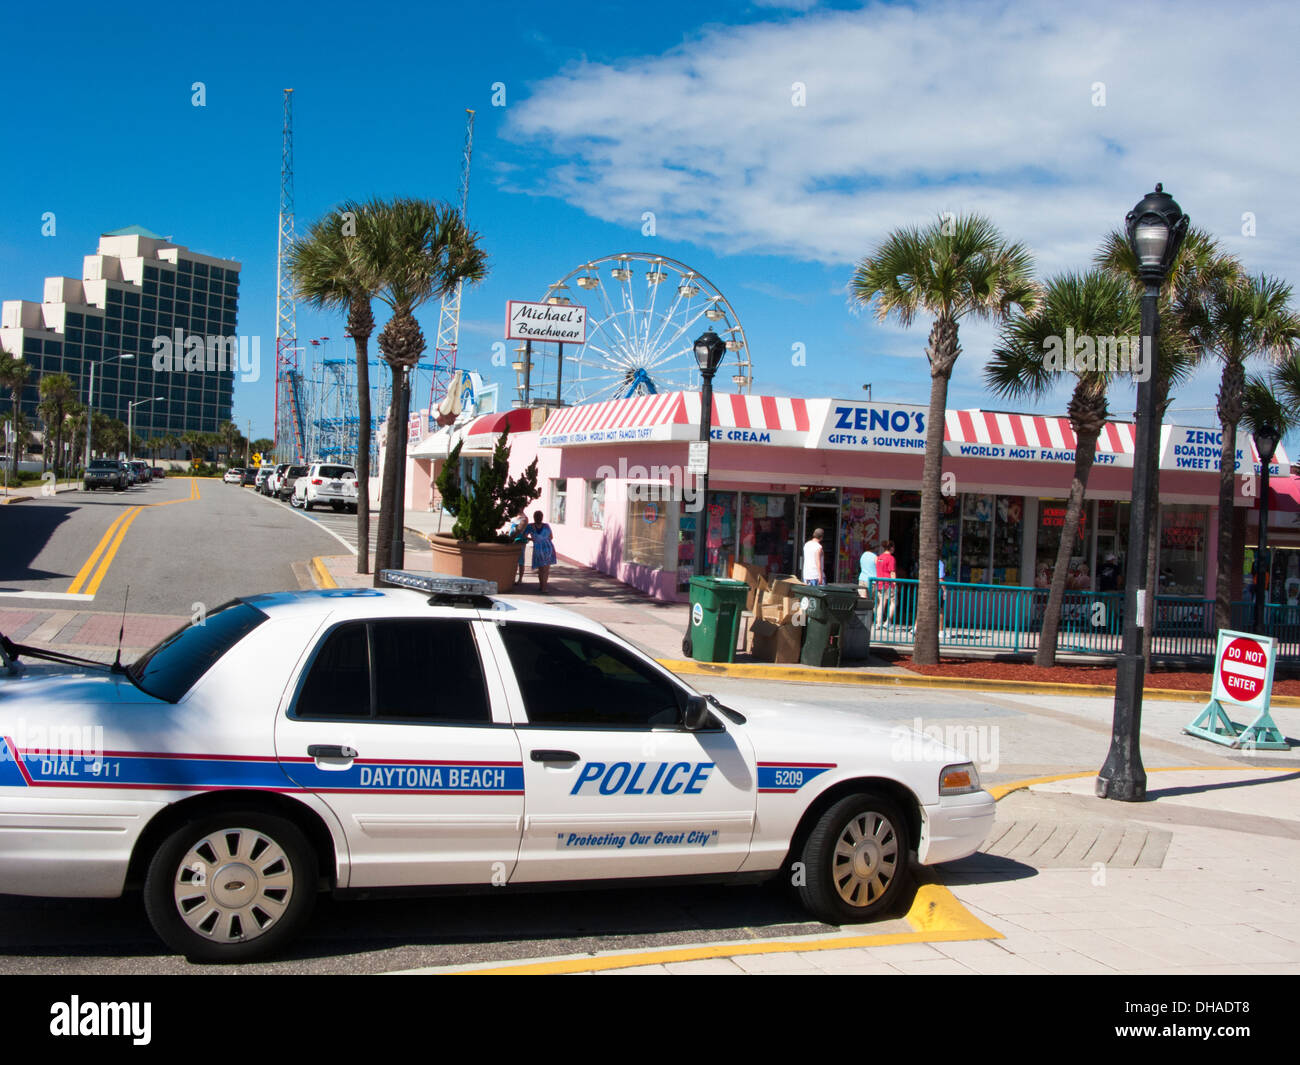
(36, 491)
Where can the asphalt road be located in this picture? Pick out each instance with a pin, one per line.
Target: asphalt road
(174, 542)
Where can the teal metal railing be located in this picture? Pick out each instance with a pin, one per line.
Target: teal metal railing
(1000, 618)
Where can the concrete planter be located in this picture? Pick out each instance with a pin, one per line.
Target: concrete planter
(488, 562)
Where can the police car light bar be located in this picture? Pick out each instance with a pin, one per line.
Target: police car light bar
(438, 583)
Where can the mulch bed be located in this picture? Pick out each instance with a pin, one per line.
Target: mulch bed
(1168, 677)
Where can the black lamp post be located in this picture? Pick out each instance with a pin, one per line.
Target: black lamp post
(1156, 228)
(709, 349)
(1266, 438)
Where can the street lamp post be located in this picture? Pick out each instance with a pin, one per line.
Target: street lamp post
(90, 404)
(709, 349)
(130, 410)
(1155, 228)
(1266, 438)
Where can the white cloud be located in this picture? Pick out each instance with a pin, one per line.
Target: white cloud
(953, 106)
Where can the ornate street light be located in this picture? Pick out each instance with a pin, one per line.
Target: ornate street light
(709, 350)
(1155, 228)
(1266, 438)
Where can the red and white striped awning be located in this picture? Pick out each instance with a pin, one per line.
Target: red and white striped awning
(481, 434)
(777, 420)
(993, 434)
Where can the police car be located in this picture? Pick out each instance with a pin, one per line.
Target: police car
(435, 736)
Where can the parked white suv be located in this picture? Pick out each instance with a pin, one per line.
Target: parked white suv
(327, 483)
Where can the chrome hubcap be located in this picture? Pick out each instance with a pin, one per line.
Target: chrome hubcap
(233, 885)
(866, 859)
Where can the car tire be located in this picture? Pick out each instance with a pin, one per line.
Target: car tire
(306, 504)
(231, 887)
(856, 860)
(295, 502)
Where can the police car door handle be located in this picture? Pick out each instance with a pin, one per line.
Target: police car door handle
(555, 756)
(330, 750)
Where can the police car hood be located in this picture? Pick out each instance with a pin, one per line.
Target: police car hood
(42, 688)
(780, 728)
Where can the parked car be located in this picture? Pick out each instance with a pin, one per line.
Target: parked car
(284, 489)
(234, 476)
(104, 473)
(143, 471)
(272, 483)
(158, 473)
(250, 477)
(259, 480)
(358, 740)
(129, 470)
(327, 483)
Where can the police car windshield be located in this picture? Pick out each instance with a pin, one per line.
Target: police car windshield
(173, 667)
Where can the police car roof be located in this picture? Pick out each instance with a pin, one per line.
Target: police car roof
(409, 602)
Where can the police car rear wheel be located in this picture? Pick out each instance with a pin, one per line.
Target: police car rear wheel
(231, 887)
(855, 860)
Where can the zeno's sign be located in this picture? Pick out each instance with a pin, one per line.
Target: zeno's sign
(548, 322)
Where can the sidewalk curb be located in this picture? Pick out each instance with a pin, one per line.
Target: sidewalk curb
(811, 674)
(1001, 791)
(322, 574)
(6, 500)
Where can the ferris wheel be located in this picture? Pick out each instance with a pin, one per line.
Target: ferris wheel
(644, 313)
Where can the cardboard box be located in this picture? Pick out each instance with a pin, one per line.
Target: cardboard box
(772, 642)
(754, 578)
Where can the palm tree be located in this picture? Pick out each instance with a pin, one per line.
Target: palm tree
(1199, 265)
(1247, 317)
(421, 251)
(14, 373)
(1094, 304)
(57, 392)
(333, 267)
(951, 269)
(229, 434)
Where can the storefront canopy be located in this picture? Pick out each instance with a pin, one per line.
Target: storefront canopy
(480, 436)
(851, 425)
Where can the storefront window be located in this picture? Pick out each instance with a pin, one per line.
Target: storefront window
(859, 529)
(719, 538)
(767, 531)
(1112, 544)
(1182, 550)
(1008, 534)
(1051, 520)
(976, 538)
(559, 499)
(950, 535)
(647, 521)
(596, 504)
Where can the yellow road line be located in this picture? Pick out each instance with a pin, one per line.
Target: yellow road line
(107, 560)
(114, 536)
(936, 915)
(323, 577)
(85, 570)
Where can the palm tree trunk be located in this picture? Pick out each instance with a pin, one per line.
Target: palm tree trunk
(1084, 452)
(388, 487)
(361, 323)
(943, 354)
(1231, 391)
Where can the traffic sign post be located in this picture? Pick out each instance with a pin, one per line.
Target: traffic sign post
(1243, 681)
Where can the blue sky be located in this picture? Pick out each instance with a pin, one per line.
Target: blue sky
(614, 110)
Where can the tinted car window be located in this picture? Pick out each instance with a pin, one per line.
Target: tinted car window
(423, 671)
(576, 678)
(337, 471)
(175, 665)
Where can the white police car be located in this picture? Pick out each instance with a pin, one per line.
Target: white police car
(360, 740)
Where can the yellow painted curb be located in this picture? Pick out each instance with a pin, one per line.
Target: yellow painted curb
(936, 914)
(323, 578)
(1001, 791)
(809, 674)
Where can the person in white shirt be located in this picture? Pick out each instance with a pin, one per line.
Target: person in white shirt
(814, 559)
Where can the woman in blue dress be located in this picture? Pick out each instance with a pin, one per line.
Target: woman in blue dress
(543, 549)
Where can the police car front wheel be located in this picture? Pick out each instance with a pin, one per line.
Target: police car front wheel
(855, 860)
(231, 887)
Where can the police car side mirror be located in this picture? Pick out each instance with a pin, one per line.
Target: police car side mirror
(695, 714)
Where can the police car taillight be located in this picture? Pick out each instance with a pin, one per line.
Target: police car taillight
(438, 583)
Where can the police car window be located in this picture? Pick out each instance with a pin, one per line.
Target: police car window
(576, 678)
(428, 671)
(175, 665)
(423, 671)
(338, 684)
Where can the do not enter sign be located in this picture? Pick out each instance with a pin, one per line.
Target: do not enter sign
(1242, 669)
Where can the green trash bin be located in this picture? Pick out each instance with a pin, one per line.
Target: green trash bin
(716, 606)
(826, 609)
